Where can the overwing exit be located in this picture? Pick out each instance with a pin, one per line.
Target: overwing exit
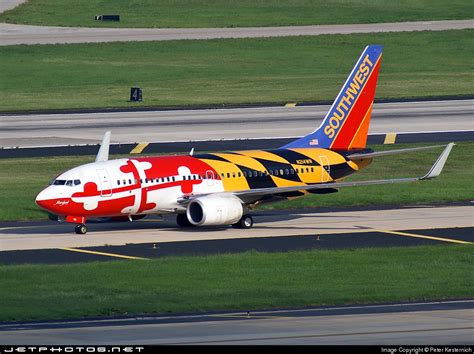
(221, 188)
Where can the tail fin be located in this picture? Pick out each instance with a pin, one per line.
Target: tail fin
(346, 124)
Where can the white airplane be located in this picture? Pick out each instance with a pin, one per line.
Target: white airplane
(221, 188)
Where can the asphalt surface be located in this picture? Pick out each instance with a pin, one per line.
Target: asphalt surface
(40, 130)
(436, 323)
(11, 34)
(273, 231)
(176, 147)
(260, 244)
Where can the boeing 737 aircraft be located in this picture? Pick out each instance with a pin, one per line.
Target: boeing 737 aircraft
(221, 188)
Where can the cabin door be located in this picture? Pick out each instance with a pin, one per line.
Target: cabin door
(326, 169)
(105, 183)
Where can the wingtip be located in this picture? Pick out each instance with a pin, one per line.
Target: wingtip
(438, 166)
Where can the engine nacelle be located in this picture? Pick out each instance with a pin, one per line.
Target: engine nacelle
(214, 210)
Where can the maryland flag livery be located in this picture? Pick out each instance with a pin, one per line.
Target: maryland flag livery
(222, 188)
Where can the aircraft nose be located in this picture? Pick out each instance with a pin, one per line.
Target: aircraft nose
(41, 199)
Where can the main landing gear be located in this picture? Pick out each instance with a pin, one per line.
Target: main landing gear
(245, 222)
(182, 221)
(81, 229)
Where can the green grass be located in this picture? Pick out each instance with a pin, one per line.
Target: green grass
(415, 64)
(22, 179)
(233, 13)
(239, 281)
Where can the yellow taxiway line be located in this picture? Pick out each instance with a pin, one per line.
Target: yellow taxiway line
(139, 148)
(101, 253)
(390, 138)
(425, 237)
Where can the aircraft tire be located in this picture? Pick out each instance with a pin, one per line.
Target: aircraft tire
(245, 222)
(81, 229)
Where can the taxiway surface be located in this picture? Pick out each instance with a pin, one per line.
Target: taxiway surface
(215, 124)
(11, 34)
(436, 323)
(51, 235)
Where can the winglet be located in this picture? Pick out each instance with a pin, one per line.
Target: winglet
(439, 164)
(103, 154)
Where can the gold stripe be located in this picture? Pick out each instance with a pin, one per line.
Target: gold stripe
(101, 253)
(290, 105)
(261, 154)
(425, 237)
(139, 148)
(390, 138)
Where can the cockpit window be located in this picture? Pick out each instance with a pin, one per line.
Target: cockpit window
(63, 182)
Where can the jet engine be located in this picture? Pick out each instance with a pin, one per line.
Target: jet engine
(215, 210)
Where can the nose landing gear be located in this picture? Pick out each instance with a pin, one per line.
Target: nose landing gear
(81, 229)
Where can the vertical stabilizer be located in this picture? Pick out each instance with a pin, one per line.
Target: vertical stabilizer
(346, 124)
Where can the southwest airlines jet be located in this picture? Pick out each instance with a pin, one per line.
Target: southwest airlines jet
(221, 188)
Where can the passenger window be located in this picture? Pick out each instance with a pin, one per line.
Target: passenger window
(238, 174)
(118, 182)
(281, 172)
(276, 172)
(287, 172)
(228, 175)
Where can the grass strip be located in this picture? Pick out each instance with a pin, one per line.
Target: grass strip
(233, 71)
(233, 13)
(244, 281)
(22, 179)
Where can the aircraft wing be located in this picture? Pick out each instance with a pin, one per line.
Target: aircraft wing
(250, 196)
(369, 155)
(434, 172)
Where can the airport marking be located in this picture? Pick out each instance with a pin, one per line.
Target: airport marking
(290, 104)
(139, 148)
(424, 237)
(102, 253)
(390, 138)
(250, 316)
